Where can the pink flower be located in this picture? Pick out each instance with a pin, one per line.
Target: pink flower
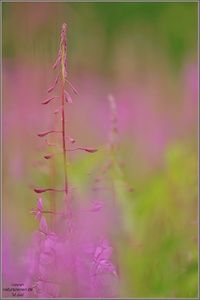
(38, 211)
(101, 266)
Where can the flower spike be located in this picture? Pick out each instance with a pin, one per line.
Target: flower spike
(60, 256)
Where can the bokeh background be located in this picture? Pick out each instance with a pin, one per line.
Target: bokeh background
(145, 55)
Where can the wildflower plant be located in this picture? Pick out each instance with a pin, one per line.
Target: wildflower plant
(67, 262)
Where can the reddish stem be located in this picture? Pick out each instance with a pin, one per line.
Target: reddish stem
(63, 123)
(53, 194)
(52, 212)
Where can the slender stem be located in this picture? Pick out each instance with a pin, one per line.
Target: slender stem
(53, 194)
(63, 123)
(52, 183)
(52, 212)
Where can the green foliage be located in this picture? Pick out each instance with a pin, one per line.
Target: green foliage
(162, 258)
(172, 27)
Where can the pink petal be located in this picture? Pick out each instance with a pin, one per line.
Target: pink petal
(107, 266)
(43, 225)
(98, 252)
(106, 254)
(38, 216)
(40, 204)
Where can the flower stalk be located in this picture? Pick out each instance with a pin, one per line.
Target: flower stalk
(58, 251)
(63, 69)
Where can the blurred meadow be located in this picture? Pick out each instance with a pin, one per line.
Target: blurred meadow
(144, 54)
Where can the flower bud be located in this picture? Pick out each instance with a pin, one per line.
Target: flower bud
(51, 88)
(67, 97)
(90, 150)
(47, 156)
(41, 134)
(48, 100)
